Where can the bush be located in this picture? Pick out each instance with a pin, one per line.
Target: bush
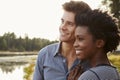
(115, 60)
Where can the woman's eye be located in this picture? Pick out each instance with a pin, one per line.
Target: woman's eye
(80, 39)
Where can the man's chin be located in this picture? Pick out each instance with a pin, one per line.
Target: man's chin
(63, 39)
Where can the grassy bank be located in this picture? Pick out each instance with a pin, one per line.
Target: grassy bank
(115, 60)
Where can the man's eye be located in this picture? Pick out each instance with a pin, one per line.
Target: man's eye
(70, 23)
(62, 21)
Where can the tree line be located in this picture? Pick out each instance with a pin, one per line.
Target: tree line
(9, 42)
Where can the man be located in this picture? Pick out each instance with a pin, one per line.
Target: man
(55, 61)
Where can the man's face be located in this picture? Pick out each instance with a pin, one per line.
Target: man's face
(67, 27)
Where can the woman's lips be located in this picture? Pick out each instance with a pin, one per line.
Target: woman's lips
(78, 52)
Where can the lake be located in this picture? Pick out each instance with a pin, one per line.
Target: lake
(19, 65)
(16, 67)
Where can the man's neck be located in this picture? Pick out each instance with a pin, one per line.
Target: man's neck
(67, 49)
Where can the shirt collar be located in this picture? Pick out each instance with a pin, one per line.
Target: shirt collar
(57, 49)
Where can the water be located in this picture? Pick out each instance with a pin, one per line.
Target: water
(16, 74)
(12, 67)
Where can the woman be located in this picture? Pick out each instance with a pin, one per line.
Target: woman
(96, 35)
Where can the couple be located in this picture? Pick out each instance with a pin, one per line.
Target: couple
(86, 36)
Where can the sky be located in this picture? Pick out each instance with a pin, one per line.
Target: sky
(34, 18)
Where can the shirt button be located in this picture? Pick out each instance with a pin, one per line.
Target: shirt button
(64, 60)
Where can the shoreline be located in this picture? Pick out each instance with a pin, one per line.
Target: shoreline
(8, 53)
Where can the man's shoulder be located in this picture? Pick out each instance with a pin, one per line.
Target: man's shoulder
(54, 45)
(49, 49)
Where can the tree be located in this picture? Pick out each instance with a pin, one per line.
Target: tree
(3, 44)
(114, 6)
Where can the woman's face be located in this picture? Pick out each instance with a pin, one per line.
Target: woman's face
(84, 44)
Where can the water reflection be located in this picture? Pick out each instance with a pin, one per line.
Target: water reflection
(16, 67)
(10, 66)
(16, 74)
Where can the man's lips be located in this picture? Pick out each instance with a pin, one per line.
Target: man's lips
(62, 33)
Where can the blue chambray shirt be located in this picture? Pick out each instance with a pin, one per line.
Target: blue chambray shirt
(51, 65)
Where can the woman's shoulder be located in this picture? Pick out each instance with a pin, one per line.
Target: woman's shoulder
(100, 73)
(103, 67)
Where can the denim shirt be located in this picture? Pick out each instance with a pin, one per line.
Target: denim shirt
(51, 65)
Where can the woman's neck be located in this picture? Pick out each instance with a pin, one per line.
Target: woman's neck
(100, 58)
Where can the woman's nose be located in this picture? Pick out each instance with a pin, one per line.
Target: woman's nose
(75, 44)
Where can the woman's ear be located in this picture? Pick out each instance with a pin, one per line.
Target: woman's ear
(100, 43)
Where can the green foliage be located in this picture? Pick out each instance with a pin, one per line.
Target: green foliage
(115, 60)
(28, 72)
(9, 42)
